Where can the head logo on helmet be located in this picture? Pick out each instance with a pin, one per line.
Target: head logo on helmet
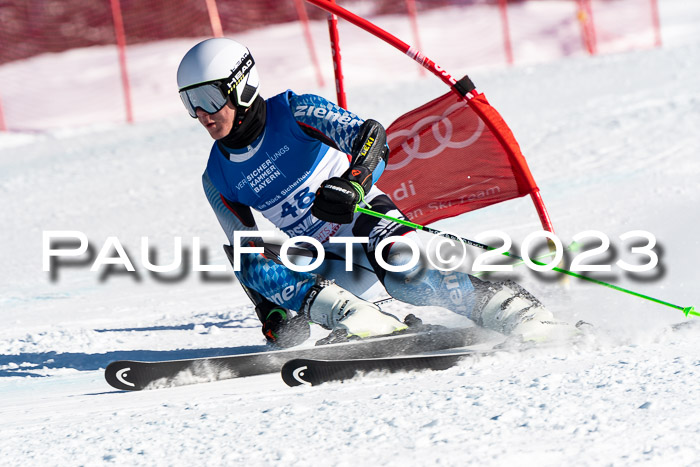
(239, 73)
(224, 62)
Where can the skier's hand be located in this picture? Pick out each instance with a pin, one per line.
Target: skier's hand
(337, 197)
(335, 201)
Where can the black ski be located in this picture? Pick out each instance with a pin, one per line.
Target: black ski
(313, 372)
(134, 375)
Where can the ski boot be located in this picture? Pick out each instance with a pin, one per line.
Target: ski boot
(345, 314)
(280, 328)
(508, 308)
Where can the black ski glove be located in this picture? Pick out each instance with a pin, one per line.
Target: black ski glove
(337, 197)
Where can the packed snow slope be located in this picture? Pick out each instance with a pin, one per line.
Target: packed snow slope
(612, 142)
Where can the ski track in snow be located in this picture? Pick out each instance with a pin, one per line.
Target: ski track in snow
(543, 408)
(612, 142)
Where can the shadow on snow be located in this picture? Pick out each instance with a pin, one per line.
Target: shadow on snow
(231, 324)
(89, 362)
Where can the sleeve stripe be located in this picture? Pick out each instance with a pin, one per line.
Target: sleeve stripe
(318, 134)
(249, 222)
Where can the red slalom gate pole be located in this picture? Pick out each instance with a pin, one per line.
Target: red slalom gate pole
(503, 7)
(214, 19)
(335, 51)
(464, 88)
(121, 46)
(545, 220)
(585, 16)
(397, 43)
(304, 18)
(657, 22)
(413, 16)
(3, 126)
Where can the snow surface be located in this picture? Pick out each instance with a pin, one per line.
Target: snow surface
(612, 142)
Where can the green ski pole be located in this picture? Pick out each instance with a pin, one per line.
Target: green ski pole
(689, 310)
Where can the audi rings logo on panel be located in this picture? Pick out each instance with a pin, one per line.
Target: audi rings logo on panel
(442, 134)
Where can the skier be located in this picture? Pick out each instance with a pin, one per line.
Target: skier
(305, 163)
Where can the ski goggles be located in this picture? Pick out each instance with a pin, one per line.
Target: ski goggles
(211, 97)
(208, 97)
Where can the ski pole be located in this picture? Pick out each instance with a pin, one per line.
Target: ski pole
(689, 310)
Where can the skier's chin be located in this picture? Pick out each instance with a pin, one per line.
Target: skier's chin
(215, 130)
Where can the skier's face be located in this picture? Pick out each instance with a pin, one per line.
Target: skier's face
(218, 124)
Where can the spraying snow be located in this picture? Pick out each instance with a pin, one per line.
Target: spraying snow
(612, 142)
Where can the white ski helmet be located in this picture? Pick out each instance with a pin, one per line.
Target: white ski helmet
(223, 63)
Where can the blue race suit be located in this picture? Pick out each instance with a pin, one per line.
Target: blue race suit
(306, 140)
